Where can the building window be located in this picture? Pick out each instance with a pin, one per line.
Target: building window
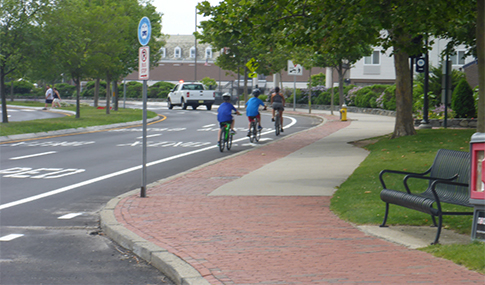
(192, 52)
(177, 53)
(375, 58)
(208, 52)
(458, 58)
(163, 52)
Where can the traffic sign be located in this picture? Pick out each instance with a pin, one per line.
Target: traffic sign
(252, 65)
(252, 75)
(143, 63)
(144, 31)
(294, 69)
(420, 64)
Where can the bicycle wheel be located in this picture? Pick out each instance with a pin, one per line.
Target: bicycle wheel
(251, 131)
(229, 141)
(277, 123)
(256, 132)
(258, 135)
(222, 139)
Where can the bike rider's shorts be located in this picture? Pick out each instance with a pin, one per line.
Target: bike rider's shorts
(278, 106)
(222, 124)
(250, 118)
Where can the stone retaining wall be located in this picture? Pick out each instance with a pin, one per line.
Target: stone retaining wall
(450, 123)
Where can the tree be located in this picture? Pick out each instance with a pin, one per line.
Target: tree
(462, 101)
(391, 24)
(19, 22)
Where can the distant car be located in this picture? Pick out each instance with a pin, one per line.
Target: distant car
(190, 94)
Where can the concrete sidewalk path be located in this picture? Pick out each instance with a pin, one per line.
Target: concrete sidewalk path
(262, 217)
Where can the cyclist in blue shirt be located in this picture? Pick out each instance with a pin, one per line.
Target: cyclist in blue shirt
(224, 114)
(252, 109)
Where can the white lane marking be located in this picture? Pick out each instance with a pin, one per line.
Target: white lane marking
(10, 237)
(69, 216)
(150, 136)
(33, 155)
(208, 126)
(124, 171)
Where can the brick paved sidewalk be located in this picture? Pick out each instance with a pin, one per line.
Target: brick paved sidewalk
(271, 239)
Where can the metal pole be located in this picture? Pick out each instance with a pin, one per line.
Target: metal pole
(294, 92)
(124, 93)
(426, 82)
(195, 78)
(144, 171)
(447, 83)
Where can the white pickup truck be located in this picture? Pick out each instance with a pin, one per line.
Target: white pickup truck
(190, 94)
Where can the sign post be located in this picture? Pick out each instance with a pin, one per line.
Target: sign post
(295, 70)
(144, 34)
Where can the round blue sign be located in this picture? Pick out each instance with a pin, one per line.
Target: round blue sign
(144, 31)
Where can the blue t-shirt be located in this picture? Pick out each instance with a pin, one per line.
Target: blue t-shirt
(252, 106)
(224, 112)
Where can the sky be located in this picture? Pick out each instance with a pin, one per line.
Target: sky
(179, 15)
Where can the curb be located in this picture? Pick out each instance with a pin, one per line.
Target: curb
(169, 264)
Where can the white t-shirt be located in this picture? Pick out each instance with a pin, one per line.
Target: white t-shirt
(49, 94)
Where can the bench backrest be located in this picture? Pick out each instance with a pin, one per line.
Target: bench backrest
(446, 164)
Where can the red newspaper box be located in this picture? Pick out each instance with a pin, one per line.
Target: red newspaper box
(477, 185)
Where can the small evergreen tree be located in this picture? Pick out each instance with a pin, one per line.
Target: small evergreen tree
(462, 101)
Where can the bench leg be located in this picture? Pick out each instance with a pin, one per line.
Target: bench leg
(385, 216)
(440, 223)
(434, 221)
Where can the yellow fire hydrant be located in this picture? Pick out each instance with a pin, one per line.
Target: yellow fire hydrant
(343, 113)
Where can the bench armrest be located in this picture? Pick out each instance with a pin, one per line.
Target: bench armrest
(381, 174)
(434, 179)
(436, 182)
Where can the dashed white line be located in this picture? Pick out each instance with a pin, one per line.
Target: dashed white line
(33, 155)
(150, 136)
(10, 237)
(69, 216)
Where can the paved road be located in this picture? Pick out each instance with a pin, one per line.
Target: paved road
(77, 169)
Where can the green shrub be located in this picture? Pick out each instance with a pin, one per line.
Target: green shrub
(21, 87)
(209, 83)
(66, 90)
(160, 89)
(88, 91)
(318, 80)
(462, 101)
(134, 89)
(389, 98)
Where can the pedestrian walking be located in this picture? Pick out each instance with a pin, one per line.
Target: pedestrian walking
(49, 96)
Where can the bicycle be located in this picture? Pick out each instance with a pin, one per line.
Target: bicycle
(225, 140)
(254, 132)
(277, 122)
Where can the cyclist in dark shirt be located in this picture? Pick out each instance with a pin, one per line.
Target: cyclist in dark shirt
(278, 102)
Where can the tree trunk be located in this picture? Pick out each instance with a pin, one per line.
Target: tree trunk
(4, 97)
(115, 91)
(245, 84)
(96, 92)
(340, 84)
(108, 95)
(11, 90)
(404, 99)
(310, 95)
(77, 81)
(481, 65)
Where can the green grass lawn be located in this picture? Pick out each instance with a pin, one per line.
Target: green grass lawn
(89, 116)
(357, 199)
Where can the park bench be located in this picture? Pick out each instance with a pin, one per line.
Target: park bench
(448, 183)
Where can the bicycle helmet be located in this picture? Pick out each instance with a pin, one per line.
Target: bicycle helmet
(256, 93)
(226, 96)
